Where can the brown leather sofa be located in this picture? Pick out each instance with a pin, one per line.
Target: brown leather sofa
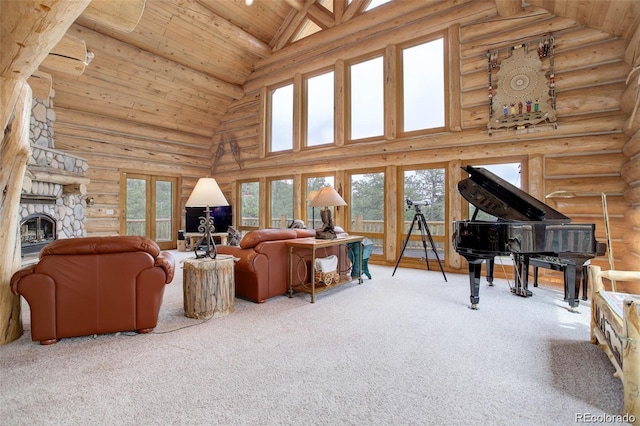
(94, 285)
(263, 269)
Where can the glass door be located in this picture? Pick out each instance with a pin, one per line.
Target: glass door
(149, 208)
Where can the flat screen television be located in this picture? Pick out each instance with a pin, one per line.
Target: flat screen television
(222, 218)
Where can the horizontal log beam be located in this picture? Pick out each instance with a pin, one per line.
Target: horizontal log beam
(69, 56)
(42, 174)
(29, 29)
(119, 15)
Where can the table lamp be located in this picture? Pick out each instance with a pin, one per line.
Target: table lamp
(327, 196)
(206, 194)
(310, 198)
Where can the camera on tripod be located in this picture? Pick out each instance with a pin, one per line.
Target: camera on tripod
(416, 204)
(421, 223)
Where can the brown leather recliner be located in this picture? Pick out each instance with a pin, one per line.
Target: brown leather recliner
(94, 285)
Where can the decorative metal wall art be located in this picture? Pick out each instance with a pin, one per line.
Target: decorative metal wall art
(524, 95)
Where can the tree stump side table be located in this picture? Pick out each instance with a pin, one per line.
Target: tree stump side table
(209, 286)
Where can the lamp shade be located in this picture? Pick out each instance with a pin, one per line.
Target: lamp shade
(312, 195)
(327, 196)
(207, 193)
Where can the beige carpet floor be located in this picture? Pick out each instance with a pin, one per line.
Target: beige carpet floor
(402, 350)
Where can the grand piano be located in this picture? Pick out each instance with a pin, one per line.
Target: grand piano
(528, 230)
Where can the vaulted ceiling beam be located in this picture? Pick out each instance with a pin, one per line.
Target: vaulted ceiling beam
(291, 25)
(321, 16)
(338, 10)
(354, 8)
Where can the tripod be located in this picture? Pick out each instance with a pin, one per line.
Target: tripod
(424, 229)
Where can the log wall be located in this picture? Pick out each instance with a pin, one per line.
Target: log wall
(584, 154)
(112, 146)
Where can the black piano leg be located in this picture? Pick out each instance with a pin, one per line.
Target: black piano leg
(475, 268)
(490, 263)
(572, 282)
(585, 281)
(535, 276)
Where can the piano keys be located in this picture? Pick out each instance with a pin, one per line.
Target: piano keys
(528, 230)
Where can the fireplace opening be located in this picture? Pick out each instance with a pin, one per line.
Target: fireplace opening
(36, 231)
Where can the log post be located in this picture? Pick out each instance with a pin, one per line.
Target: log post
(14, 153)
(42, 24)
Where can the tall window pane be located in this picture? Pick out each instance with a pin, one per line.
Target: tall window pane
(320, 109)
(281, 136)
(367, 207)
(426, 190)
(250, 204)
(367, 99)
(164, 210)
(281, 203)
(423, 86)
(136, 207)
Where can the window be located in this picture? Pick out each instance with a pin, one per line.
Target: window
(320, 109)
(313, 186)
(423, 86)
(366, 207)
(280, 203)
(366, 81)
(148, 203)
(281, 123)
(426, 189)
(248, 216)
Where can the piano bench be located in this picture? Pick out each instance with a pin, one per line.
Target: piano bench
(560, 264)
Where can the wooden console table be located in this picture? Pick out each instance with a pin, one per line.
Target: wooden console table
(209, 286)
(307, 248)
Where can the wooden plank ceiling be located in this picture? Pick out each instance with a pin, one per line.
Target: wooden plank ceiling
(187, 60)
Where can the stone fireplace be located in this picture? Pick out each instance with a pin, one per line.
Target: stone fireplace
(52, 205)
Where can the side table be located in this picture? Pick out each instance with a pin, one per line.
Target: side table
(308, 248)
(209, 286)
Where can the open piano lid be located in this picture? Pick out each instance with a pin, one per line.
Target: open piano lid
(499, 198)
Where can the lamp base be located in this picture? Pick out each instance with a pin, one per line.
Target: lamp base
(210, 251)
(324, 234)
(206, 226)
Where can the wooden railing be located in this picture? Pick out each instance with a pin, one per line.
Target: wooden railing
(163, 228)
(139, 227)
(436, 227)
